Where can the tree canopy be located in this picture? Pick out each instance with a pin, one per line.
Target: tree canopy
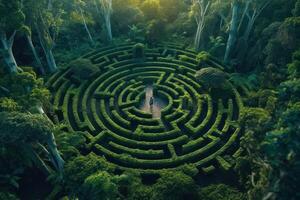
(77, 76)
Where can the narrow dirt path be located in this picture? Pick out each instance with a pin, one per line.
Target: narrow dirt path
(157, 106)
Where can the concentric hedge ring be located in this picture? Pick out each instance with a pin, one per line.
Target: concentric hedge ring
(194, 128)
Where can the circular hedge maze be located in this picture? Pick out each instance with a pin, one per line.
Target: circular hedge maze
(194, 126)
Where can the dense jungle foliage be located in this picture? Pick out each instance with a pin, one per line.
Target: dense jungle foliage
(246, 53)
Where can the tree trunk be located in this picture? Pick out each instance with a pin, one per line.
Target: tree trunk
(248, 30)
(51, 61)
(10, 61)
(232, 32)
(50, 6)
(36, 159)
(35, 54)
(200, 19)
(86, 28)
(198, 37)
(97, 7)
(246, 9)
(58, 161)
(48, 51)
(243, 41)
(251, 21)
(108, 27)
(8, 55)
(223, 21)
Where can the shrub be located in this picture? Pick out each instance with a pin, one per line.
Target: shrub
(203, 57)
(78, 169)
(137, 190)
(7, 104)
(294, 67)
(22, 83)
(190, 170)
(256, 119)
(175, 186)
(221, 192)
(212, 77)
(184, 58)
(25, 89)
(155, 31)
(83, 68)
(263, 98)
(243, 82)
(291, 116)
(99, 186)
(139, 50)
(70, 143)
(290, 90)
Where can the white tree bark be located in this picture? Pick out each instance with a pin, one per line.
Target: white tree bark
(50, 60)
(86, 27)
(38, 161)
(35, 54)
(253, 17)
(8, 56)
(47, 48)
(108, 27)
(245, 12)
(106, 8)
(233, 31)
(57, 159)
(200, 16)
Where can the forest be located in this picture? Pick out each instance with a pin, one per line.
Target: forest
(149, 99)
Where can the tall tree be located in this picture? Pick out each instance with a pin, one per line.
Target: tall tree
(30, 134)
(253, 9)
(45, 20)
(220, 8)
(47, 27)
(242, 23)
(106, 9)
(28, 8)
(38, 61)
(199, 10)
(11, 20)
(84, 22)
(257, 6)
(79, 10)
(233, 31)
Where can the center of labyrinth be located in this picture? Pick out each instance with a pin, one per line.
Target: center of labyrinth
(152, 104)
(185, 124)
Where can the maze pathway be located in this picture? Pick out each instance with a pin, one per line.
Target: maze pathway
(193, 128)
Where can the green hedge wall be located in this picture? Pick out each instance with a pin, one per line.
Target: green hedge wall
(194, 127)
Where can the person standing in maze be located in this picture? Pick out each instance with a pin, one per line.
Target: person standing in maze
(151, 101)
